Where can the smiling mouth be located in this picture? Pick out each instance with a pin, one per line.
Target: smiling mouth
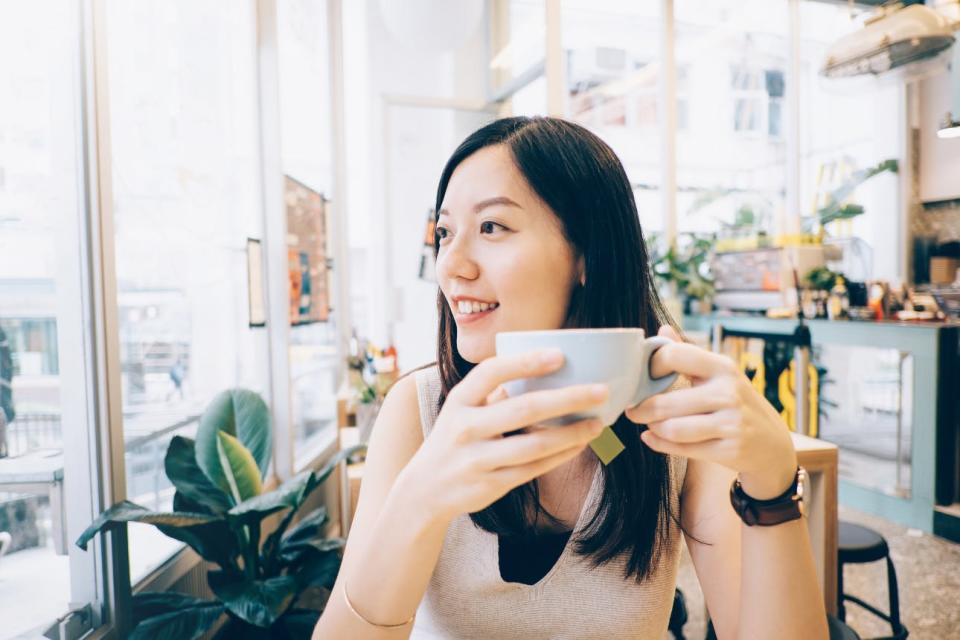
(470, 308)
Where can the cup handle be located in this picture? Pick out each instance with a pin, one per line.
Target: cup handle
(647, 386)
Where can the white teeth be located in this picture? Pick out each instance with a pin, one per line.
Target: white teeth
(467, 307)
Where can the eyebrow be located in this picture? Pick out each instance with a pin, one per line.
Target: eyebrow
(489, 202)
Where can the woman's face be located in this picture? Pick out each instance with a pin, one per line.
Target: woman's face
(504, 263)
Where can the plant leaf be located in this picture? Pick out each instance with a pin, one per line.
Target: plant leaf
(239, 468)
(292, 553)
(288, 495)
(259, 602)
(309, 526)
(183, 624)
(152, 603)
(214, 541)
(183, 503)
(272, 544)
(186, 475)
(317, 568)
(127, 511)
(299, 623)
(242, 414)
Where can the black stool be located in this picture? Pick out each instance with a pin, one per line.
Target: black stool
(858, 545)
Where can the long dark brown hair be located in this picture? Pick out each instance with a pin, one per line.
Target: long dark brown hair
(582, 181)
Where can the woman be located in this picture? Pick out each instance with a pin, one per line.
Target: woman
(475, 523)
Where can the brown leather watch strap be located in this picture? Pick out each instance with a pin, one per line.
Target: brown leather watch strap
(766, 513)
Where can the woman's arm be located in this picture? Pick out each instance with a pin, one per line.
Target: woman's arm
(413, 488)
(778, 594)
(394, 543)
(760, 582)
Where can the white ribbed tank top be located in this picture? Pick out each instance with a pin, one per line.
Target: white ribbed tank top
(467, 598)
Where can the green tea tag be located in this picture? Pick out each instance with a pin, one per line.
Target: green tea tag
(607, 446)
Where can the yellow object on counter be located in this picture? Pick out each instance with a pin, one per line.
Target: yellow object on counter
(787, 386)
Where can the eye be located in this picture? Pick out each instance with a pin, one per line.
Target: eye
(441, 233)
(489, 226)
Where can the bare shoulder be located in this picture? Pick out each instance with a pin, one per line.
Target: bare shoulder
(395, 438)
(398, 430)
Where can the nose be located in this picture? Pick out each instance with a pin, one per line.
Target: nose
(456, 260)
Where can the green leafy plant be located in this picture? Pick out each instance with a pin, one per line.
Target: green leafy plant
(837, 207)
(273, 589)
(685, 267)
(820, 279)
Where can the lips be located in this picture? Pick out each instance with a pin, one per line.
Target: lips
(467, 310)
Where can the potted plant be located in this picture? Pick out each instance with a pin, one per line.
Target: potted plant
(685, 271)
(838, 205)
(265, 588)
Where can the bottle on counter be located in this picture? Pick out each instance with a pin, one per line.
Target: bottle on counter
(838, 303)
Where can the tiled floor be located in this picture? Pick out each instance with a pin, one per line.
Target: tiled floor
(928, 570)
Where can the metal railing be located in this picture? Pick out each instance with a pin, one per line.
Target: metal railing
(31, 431)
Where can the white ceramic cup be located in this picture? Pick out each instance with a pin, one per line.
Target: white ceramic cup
(619, 358)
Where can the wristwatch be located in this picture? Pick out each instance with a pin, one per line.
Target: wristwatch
(766, 513)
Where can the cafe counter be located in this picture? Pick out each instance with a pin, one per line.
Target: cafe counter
(886, 393)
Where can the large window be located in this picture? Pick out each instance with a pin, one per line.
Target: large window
(47, 488)
(731, 152)
(307, 161)
(517, 46)
(612, 50)
(847, 126)
(186, 196)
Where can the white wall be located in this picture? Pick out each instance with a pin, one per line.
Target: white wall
(395, 155)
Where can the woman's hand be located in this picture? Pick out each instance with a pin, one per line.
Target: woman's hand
(721, 418)
(466, 463)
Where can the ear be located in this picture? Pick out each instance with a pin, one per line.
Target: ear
(582, 271)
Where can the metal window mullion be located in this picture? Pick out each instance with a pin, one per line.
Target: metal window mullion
(339, 204)
(99, 475)
(553, 56)
(276, 277)
(668, 122)
(789, 222)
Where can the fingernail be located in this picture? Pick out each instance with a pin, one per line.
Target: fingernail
(551, 356)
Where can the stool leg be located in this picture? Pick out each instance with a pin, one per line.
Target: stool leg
(894, 599)
(841, 611)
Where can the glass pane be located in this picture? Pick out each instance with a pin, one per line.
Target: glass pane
(849, 125)
(415, 162)
(731, 156)
(186, 198)
(612, 49)
(866, 408)
(307, 163)
(517, 45)
(39, 180)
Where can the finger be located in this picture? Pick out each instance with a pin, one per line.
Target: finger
(705, 398)
(493, 372)
(689, 360)
(498, 394)
(518, 475)
(687, 429)
(533, 407)
(708, 450)
(539, 444)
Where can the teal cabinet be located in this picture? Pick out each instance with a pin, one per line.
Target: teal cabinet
(888, 397)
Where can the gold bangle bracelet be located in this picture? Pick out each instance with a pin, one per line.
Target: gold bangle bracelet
(353, 609)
